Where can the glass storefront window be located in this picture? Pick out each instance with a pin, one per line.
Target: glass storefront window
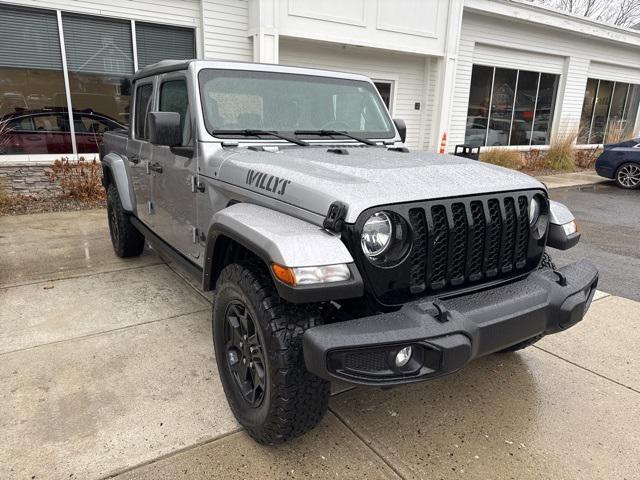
(545, 107)
(504, 88)
(615, 124)
(100, 61)
(525, 107)
(601, 112)
(609, 111)
(32, 94)
(587, 110)
(510, 107)
(631, 112)
(479, 102)
(34, 109)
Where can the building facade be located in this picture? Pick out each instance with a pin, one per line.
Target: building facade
(485, 72)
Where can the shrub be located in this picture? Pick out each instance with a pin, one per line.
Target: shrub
(80, 180)
(534, 160)
(503, 157)
(4, 198)
(562, 152)
(587, 158)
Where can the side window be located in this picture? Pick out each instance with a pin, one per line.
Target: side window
(143, 103)
(175, 98)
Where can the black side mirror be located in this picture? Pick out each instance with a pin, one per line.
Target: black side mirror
(164, 128)
(402, 128)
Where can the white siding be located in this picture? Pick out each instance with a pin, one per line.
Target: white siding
(496, 56)
(172, 12)
(619, 73)
(542, 46)
(407, 72)
(225, 30)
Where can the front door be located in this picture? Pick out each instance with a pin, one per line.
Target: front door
(175, 170)
(139, 152)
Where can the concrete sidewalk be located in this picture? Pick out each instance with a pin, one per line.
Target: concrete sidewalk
(107, 371)
(572, 179)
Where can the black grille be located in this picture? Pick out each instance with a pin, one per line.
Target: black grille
(459, 243)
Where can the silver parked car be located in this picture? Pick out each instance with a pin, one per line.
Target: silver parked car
(335, 253)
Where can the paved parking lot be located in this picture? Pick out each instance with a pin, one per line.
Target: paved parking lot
(107, 370)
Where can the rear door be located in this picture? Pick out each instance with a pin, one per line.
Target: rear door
(175, 170)
(139, 150)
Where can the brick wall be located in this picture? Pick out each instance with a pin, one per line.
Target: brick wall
(31, 179)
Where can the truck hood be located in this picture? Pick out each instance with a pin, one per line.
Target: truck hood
(313, 178)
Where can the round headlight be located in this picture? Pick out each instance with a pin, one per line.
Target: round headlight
(534, 210)
(376, 234)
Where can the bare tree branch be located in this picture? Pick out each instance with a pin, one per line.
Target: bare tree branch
(623, 13)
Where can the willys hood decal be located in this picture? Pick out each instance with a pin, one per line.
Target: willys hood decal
(313, 178)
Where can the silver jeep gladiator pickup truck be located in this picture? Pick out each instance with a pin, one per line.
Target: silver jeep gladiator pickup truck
(335, 253)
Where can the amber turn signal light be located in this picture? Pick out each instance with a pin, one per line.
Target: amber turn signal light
(284, 274)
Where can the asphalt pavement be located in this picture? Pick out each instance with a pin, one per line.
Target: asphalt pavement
(609, 218)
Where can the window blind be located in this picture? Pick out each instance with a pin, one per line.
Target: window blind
(98, 45)
(162, 42)
(29, 38)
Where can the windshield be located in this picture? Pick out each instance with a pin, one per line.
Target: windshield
(282, 102)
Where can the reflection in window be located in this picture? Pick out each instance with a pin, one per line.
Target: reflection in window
(100, 59)
(504, 88)
(609, 111)
(31, 83)
(587, 110)
(631, 112)
(510, 107)
(384, 89)
(601, 112)
(525, 106)
(479, 100)
(544, 109)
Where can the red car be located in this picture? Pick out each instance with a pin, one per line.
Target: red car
(47, 131)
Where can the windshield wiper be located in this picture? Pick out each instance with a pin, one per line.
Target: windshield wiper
(248, 132)
(331, 133)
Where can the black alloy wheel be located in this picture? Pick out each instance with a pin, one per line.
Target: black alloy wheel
(245, 353)
(113, 224)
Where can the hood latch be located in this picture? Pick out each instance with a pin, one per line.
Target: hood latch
(334, 221)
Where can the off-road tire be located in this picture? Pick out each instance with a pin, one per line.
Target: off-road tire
(545, 264)
(126, 239)
(294, 400)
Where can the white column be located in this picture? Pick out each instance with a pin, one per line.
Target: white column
(263, 29)
(570, 97)
(447, 65)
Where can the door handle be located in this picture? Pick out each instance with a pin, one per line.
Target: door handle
(155, 167)
(134, 158)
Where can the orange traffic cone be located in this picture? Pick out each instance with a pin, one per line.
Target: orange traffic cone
(443, 143)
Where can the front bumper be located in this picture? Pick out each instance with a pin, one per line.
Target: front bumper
(447, 334)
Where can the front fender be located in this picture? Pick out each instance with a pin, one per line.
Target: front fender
(279, 238)
(120, 176)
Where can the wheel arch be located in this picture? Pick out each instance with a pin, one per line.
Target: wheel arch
(246, 230)
(115, 170)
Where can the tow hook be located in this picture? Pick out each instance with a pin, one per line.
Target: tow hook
(561, 280)
(436, 309)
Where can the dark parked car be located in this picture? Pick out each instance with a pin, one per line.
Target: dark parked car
(621, 162)
(47, 131)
